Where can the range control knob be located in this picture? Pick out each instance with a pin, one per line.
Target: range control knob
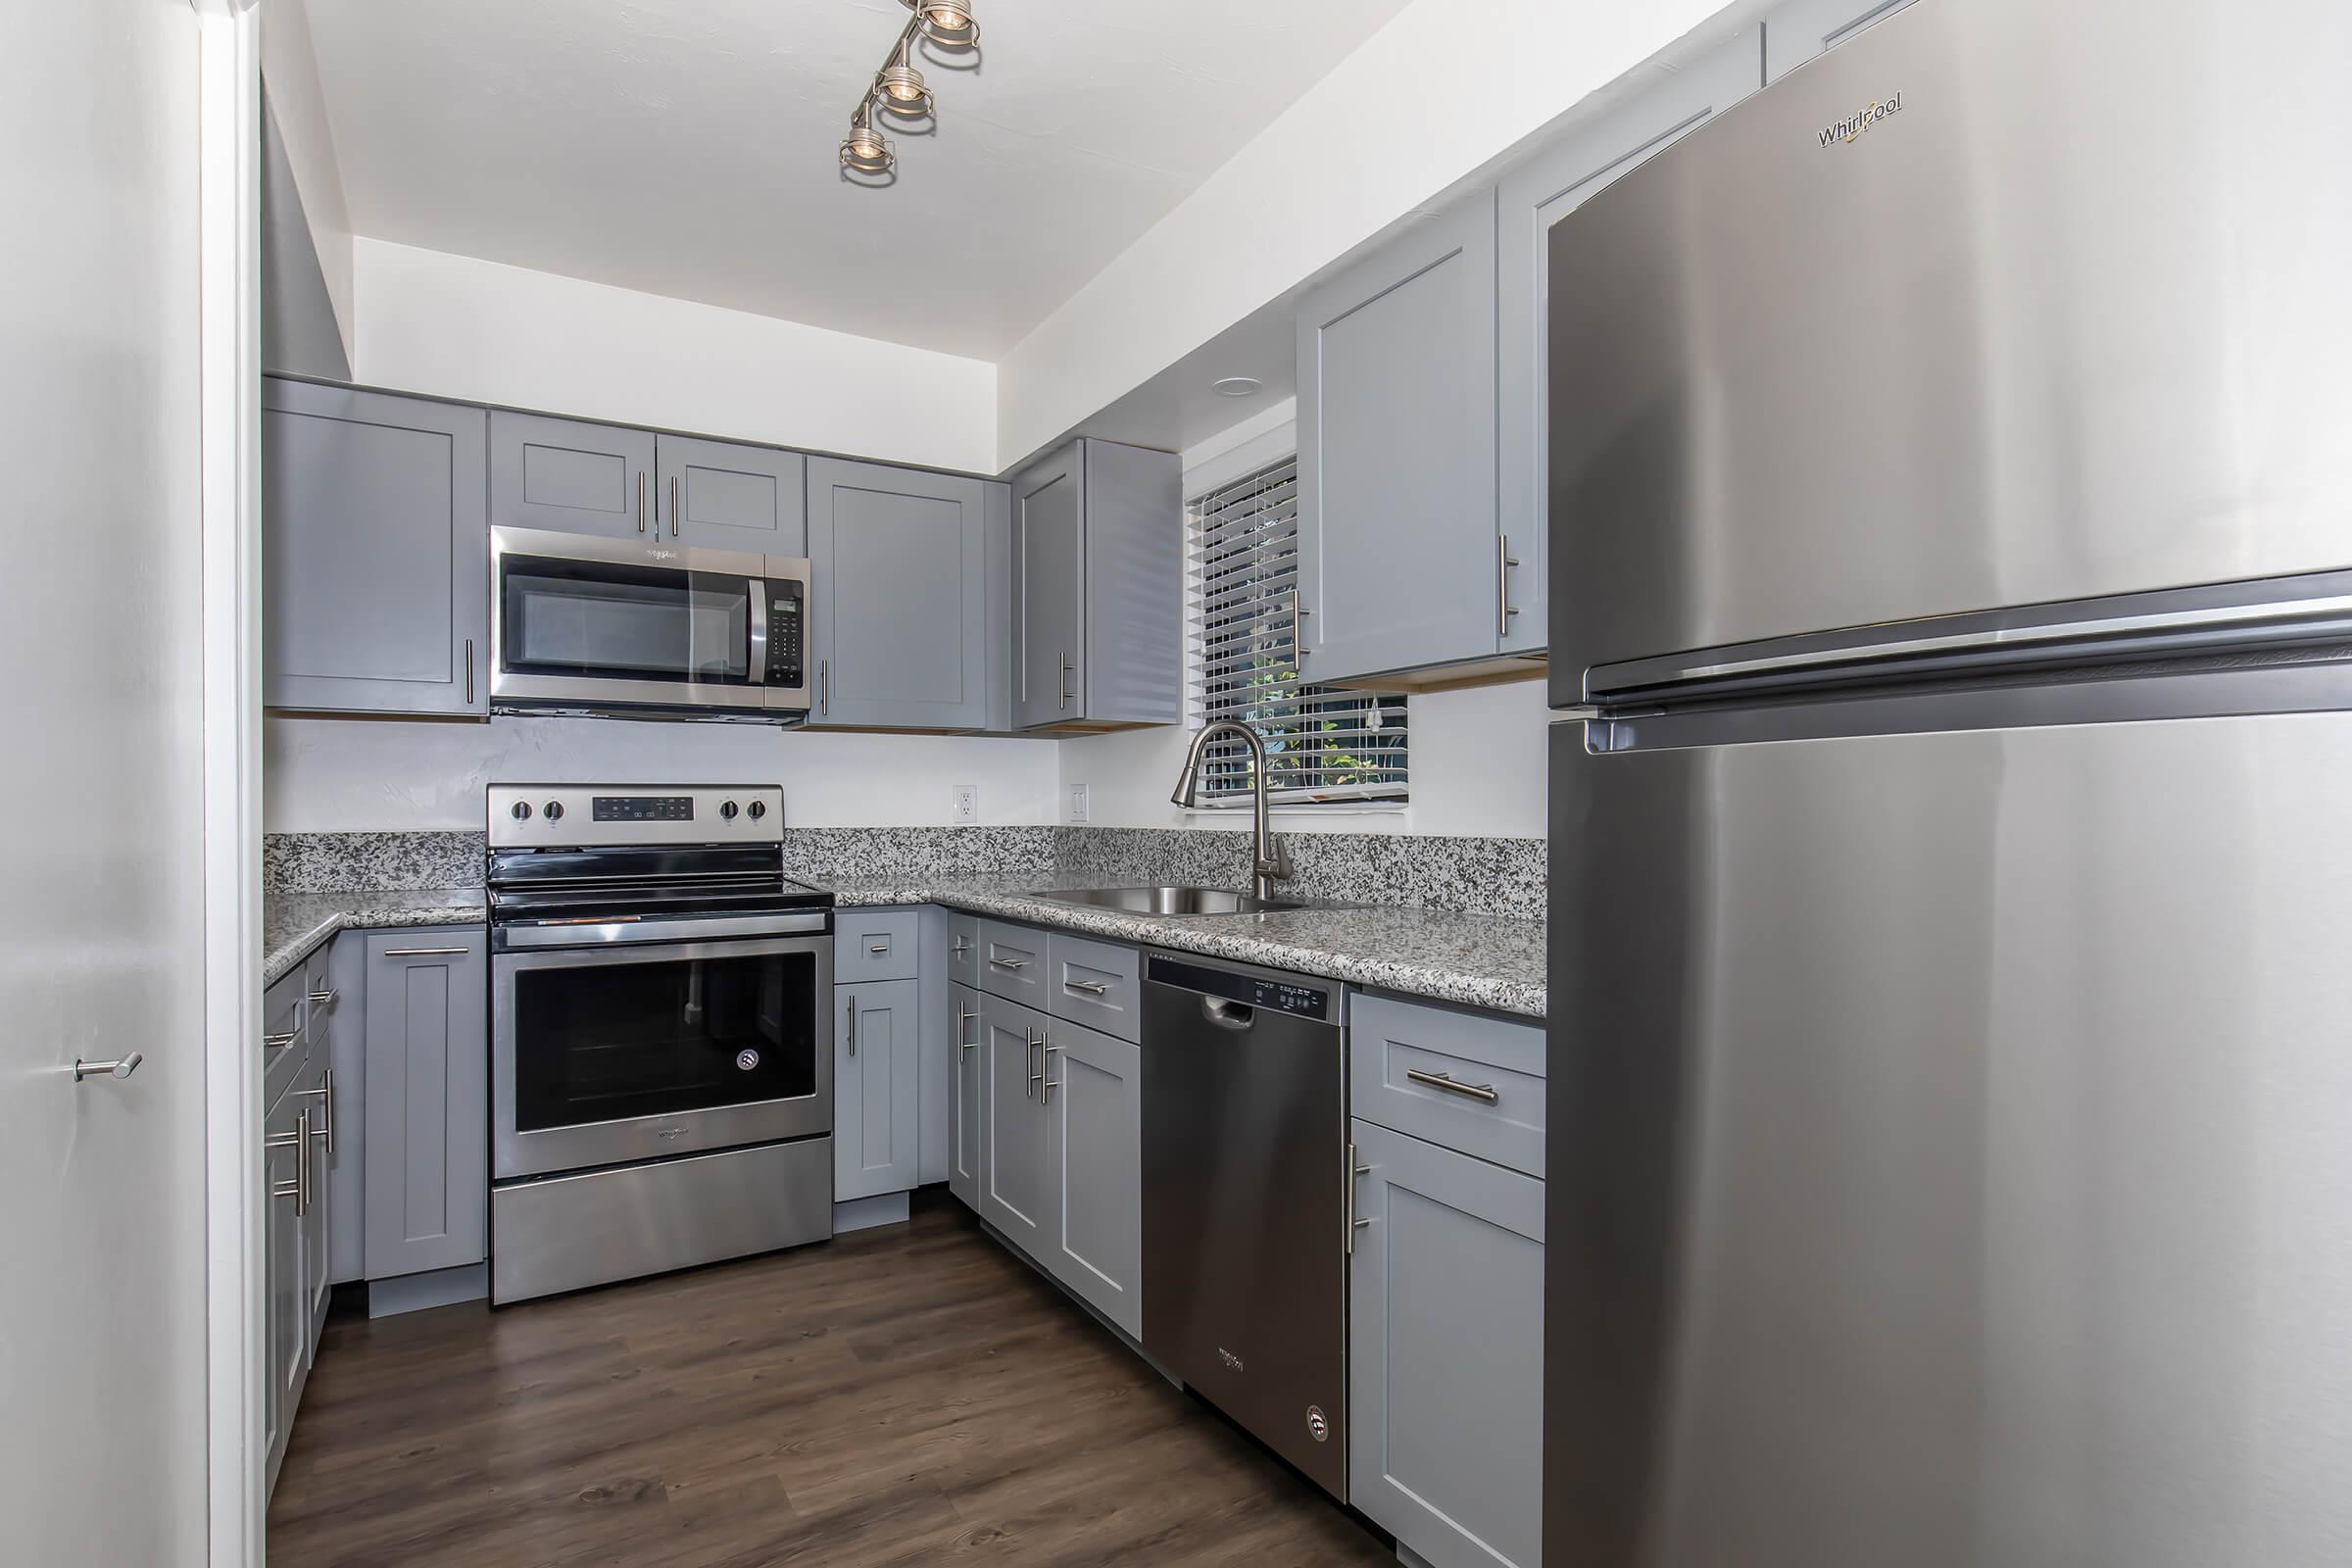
(758, 810)
(521, 811)
(553, 811)
(727, 811)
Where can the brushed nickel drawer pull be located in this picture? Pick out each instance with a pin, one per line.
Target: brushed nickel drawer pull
(1484, 1092)
(1092, 988)
(423, 952)
(877, 949)
(1009, 964)
(324, 1094)
(281, 1041)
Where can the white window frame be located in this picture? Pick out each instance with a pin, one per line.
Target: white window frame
(1226, 636)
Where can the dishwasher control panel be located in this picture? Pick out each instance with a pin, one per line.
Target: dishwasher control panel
(1298, 999)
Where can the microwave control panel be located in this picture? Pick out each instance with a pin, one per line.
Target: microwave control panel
(786, 623)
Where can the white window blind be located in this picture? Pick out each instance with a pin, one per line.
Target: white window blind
(1241, 572)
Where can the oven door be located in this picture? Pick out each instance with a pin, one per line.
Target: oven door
(585, 620)
(619, 1052)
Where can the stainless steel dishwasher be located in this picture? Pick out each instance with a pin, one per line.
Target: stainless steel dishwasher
(1246, 1217)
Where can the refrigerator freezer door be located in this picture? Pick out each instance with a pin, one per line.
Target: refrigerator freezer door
(1952, 1149)
(2002, 302)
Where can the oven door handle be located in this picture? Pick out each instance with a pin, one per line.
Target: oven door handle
(611, 933)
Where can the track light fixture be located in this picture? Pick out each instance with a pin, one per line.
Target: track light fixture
(899, 88)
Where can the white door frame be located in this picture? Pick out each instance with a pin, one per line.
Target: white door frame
(229, 221)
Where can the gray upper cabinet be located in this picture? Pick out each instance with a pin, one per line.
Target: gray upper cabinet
(375, 562)
(1098, 589)
(722, 496)
(967, 1094)
(1800, 30)
(569, 477)
(1537, 194)
(1400, 563)
(899, 587)
(427, 1156)
(874, 1088)
(1018, 1194)
(1445, 1362)
(1094, 1104)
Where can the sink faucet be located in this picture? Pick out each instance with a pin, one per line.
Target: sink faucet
(1269, 862)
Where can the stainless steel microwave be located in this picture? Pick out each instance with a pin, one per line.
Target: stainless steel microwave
(581, 624)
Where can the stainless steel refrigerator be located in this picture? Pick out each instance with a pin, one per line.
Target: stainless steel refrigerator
(1951, 473)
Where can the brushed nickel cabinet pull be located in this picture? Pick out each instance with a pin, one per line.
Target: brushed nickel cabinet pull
(1009, 964)
(852, 1025)
(1299, 614)
(641, 500)
(1092, 988)
(1347, 1235)
(1485, 1093)
(1505, 560)
(423, 952)
(1067, 693)
(674, 506)
(324, 1094)
(1045, 1072)
(1038, 1077)
(469, 672)
(299, 1141)
(280, 1042)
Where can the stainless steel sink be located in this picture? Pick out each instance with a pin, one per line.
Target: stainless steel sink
(1170, 900)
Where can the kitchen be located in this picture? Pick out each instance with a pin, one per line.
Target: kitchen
(863, 848)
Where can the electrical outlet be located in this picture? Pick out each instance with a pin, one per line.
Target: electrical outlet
(967, 804)
(1078, 803)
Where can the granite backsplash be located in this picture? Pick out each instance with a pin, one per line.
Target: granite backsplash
(1477, 875)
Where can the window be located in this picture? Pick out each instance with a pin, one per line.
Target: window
(1242, 570)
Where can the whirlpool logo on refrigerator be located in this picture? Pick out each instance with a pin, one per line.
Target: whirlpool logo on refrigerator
(1854, 127)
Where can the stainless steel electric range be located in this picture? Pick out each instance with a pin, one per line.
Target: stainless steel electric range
(660, 1027)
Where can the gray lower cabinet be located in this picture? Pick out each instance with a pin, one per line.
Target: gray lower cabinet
(375, 562)
(966, 1094)
(1544, 188)
(570, 476)
(876, 1111)
(1092, 1097)
(1401, 565)
(427, 1164)
(1018, 1190)
(285, 1331)
(899, 589)
(1796, 31)
(721, 495)
(1097, 588)
(1446, 1382)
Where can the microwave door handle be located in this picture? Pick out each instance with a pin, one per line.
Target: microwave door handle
(758, 631)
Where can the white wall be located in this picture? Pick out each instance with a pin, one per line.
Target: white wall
(299, 105)
(346, 775)
(1478, 762)
(455, 326)
(1442, 90)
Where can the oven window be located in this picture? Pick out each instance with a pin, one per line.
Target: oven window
(597, 1043)
(599, 619)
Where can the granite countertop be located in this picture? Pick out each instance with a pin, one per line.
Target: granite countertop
(294, 924)
(1479, 961)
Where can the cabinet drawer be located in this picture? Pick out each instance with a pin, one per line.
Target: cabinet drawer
(1095, 983)
(1012, 964)
(1405, 1056)
(284, 1038)
(874, 944)
(963, 950)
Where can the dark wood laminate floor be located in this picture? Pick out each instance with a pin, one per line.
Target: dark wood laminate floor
(910, 1394)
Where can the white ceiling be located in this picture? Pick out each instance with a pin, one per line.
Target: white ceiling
(687, 147)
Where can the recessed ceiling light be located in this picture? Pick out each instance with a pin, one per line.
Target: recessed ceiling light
(1238, 386)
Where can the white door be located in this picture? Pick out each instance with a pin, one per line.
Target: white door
(102, 1183)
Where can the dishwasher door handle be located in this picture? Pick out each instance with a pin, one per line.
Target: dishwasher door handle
(1234, 1015)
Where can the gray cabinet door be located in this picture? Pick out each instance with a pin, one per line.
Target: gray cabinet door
(899, 586)
(722, 496)
(1534, 196)
(1800, 30)
(1017, 1189)
(874, 1103)
(1092, 1090)
(285, 1323)
(570, 476)
(1398, 552)
(375, 561)
(1445, 1364)
(967, 1052)
(428, 1097)
(1048, 591)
